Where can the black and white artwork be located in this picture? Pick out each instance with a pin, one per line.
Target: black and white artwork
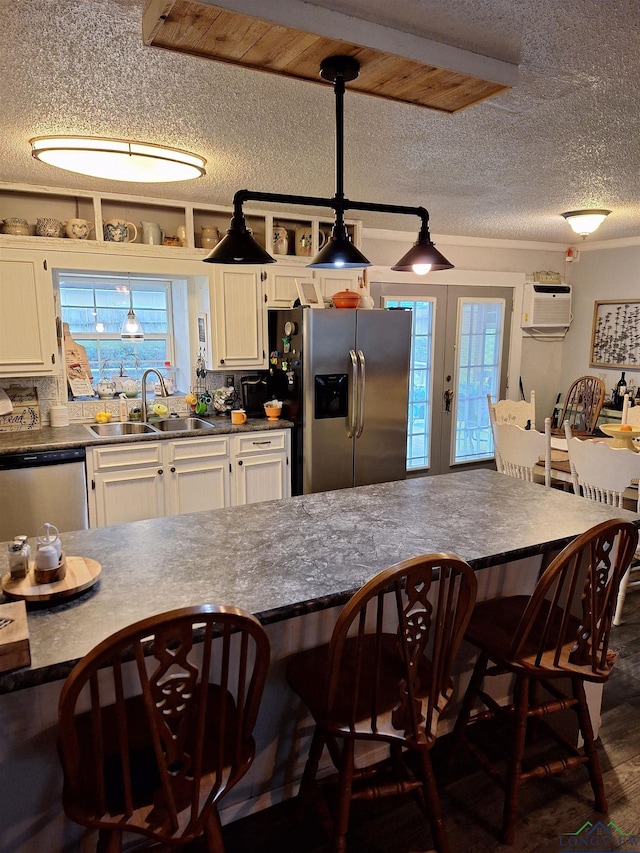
(615, 340)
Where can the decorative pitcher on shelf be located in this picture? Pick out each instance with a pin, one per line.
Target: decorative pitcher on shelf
(280, 240)
(152, 234)
(209, 236)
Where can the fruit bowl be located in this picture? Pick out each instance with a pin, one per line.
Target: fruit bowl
(623, 434)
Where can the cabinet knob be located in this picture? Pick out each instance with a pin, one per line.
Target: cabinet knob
(239, 461)
(160, 471)
(222, 361)
(173, 470)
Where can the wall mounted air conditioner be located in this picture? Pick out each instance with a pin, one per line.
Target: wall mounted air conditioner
(546, 308)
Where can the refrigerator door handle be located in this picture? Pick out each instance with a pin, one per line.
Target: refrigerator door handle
(354, 393)
(361, 394)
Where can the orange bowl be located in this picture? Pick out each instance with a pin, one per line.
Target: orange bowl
(345, 299)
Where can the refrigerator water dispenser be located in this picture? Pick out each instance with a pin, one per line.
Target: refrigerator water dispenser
(332, 395)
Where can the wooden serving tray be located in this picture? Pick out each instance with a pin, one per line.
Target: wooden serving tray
(82, 573)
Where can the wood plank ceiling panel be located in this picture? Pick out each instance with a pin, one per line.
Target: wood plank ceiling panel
(207, 31)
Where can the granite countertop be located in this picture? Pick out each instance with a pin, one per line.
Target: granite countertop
(284, 558)
(77, 435)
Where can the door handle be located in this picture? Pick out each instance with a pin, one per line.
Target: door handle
(447, 397)
(354, 393)
(361, 394)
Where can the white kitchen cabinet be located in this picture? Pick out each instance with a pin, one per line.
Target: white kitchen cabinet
(261, 469)
(151, 479)
(28, 344)
(239, 322)
(126, 483)
(333, 282)
(198, 474)
(281, 284)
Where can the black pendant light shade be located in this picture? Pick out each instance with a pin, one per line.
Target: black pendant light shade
(422, 257)
(239, 247)
(339, 253)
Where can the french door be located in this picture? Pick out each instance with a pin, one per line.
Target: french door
(459, 354)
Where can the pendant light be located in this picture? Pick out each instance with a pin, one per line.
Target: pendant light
(240, 247)
(118, 159)
(131, 327)
(585, 222)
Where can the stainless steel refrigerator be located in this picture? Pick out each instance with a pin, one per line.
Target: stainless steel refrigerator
(343, 377)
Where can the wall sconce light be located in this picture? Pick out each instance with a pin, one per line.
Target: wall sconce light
(118, 159)
(585, 222)
(239, 246)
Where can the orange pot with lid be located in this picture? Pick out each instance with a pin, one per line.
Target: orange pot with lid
(345, 299)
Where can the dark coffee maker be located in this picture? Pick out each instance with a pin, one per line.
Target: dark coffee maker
(255, 393)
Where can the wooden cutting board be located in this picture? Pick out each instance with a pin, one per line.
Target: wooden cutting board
(14, 636)
(82, 573)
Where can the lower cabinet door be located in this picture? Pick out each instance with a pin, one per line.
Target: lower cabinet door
(198, 485)
(263, 477)
(132, 495)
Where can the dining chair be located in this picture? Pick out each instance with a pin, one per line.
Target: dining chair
(520, 450)
(155, 725)
(582, 405)
(559, 635)
(603, 473)
(630, 414)
(385, 677)
(518, 412)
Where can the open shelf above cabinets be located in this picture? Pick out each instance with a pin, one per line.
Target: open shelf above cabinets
(151, 221)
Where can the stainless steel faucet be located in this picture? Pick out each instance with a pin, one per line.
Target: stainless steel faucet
(163, 390)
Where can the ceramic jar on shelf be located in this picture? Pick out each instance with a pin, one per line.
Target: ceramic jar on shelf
(280, 240)
(209, 236)
(17, 227)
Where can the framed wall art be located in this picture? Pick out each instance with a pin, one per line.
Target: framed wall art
(309, 293)
(615, 338)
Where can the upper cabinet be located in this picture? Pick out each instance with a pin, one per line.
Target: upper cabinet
(28, 342)
(239, 323)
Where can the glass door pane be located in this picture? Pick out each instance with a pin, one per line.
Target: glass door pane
(479, 344)
(420, 379)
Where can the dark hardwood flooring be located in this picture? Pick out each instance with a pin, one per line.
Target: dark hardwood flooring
(472, 803)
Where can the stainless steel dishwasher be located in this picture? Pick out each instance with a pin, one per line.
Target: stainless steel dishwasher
(48, 485)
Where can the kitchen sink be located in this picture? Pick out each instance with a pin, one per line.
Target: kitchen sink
(182, 425)
(118, 428)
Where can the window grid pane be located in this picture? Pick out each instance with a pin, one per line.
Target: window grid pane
(94, 307)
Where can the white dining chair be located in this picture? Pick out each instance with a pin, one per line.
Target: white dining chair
(603, 473)
(520, 450)
(630, 414)
(522, 413)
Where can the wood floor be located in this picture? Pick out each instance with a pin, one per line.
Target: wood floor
(472, 804)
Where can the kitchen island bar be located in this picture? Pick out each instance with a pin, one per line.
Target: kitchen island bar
(293, 564)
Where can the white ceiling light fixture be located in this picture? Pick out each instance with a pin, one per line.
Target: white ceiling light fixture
(118, 159)
(585, 222)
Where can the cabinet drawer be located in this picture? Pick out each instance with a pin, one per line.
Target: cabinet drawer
(260, 442)
(127, 456)
(197, 448)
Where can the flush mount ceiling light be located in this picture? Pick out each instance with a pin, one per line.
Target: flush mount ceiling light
(118, 159)
(585, 222)
(239, 246)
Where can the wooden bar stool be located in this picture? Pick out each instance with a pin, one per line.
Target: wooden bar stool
(385, 677)
(155, 725)
(560, 632)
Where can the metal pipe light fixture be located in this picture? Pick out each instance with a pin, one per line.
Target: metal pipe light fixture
(239, 246)
(118, 159)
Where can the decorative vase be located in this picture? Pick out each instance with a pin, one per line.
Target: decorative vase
(209, 236)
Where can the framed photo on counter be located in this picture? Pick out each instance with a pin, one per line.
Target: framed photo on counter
(615, 338)
(309, 293)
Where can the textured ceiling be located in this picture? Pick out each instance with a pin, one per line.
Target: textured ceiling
(565, 136)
